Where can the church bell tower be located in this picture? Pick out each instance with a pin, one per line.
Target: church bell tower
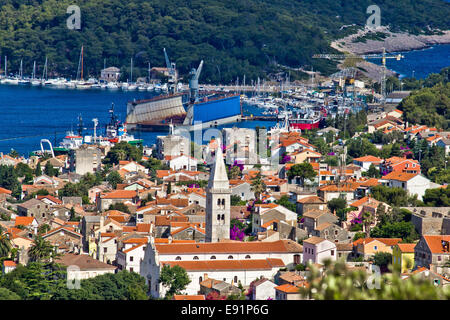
(218, 201)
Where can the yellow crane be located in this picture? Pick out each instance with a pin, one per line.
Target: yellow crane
(381, 56)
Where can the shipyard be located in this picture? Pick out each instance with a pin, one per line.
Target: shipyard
(240, 150)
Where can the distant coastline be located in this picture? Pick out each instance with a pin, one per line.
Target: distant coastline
(394, 42)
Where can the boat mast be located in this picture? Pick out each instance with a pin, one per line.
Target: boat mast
(6, 67)
(131, 75)
(21, 71)
(44, 75)
(34, 71)
(81, 63)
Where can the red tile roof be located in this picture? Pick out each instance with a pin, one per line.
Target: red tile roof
(24, 221)
(209, 265)
(434, 242)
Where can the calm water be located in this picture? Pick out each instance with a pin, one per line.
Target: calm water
(420, 63)
(29, 114)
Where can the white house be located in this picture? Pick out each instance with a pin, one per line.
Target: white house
(131, 256)
(8, 266)
(263, 289)
(82, 266)
(230, 261)
(413, 183)
(182, 162)
(366, 161)
(317, 250)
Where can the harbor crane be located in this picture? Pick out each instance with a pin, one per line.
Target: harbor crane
(193, 82)
(381, 56)
(171, 68)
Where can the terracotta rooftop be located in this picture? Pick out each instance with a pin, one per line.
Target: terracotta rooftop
(231, 247)
(84, 262)
(210, 265)
(400, 176)
(434, 242)
(406, 247)
(288, 288)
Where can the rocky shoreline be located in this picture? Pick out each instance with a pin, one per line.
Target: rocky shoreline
(394, 42)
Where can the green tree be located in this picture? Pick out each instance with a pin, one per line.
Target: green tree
(6, 294)
(49, 170)
(341, 283)
(383, 260)
(114, 179)
(284, 201)
(258, 186)
(38, 170)
(5, 244)
(41, 250)
(175, 279)
(304, 171)
(337, 204)
(123, 151)
(373, 172)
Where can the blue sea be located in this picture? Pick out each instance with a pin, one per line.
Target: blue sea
(420, 63)
(29, 114)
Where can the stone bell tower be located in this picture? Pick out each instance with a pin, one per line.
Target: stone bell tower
(218, 201)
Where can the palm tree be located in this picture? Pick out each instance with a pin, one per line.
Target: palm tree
(368, 218)
(41, 250)
(258, 186)
(5, 244)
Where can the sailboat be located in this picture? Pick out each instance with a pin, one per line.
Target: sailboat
(9, 80)
(82, 84)
(130, 86)
(34, 80)
(21, 79)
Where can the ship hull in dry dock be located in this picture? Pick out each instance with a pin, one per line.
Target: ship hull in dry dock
(158, 113)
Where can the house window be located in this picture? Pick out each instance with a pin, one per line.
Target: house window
(200, 279)
(178, 258)
(131, 269)
(213, 258)
(195, 258)
(375, 247)
(230, 257)
(105, 250)
(335, 232)
(439, 258)
(131, 259)
(223, 217)
(218, 217)
(235, 279)
(332, 253)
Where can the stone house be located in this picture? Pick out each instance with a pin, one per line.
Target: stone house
(314, 218)
(310, 203)
(65, 239)
(432, 250)
(242, 189)
(222, 288)
(34, 208)
(331, 232)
